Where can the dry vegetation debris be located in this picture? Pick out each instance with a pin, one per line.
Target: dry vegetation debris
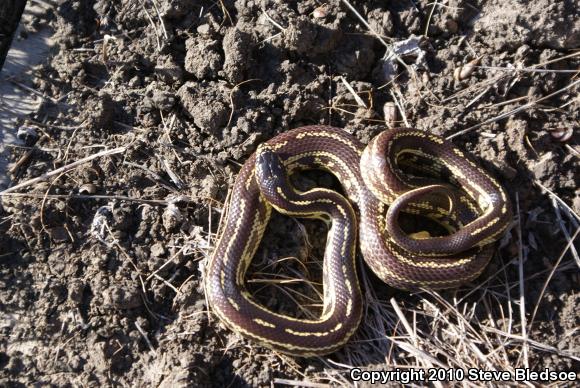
(155, 104)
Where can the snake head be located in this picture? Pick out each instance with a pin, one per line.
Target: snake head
(270, 171)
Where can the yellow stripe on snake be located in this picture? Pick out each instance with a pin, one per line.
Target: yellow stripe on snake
(399, 171)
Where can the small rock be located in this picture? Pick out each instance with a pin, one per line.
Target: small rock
(172, 217)
(157, 250)
(321, 12)
(163, 100)
(88, 188)
(28, 135)
(203, 29)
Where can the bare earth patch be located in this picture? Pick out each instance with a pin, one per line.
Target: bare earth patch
(101, 263)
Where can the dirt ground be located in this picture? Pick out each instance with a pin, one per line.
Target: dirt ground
(101, 265)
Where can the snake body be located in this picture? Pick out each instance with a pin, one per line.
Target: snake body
(399, 171)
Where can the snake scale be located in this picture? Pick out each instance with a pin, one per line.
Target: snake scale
(399, 171)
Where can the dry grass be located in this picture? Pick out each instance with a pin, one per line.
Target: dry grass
(486, 325)
(483, 325)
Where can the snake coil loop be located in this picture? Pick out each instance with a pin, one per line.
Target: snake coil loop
(399, 171)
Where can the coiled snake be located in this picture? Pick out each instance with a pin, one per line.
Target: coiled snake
(399, 171)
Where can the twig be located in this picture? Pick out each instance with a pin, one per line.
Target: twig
(226, 13)
(366, 24)
(551, 275)
(572, 150)
(404, 321)
(71, 140)
(476, 98)
(160, 19)
(419, 354)
(550, 192)
(31, 90)
(274, 22)
(142, 332)
(400, 106)
(170, 260)
(232, 98)
(577, 53)
(536, 344)
(527, 69)
(158, 202)
(514, 111)
(357, 98)
(167, 283)
(522, 301)
(154, 26)
(300, 383)
(152, 175)
(63, 169)
(435, 4)
(21, 161)
(564, 230)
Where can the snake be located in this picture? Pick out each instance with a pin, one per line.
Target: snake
(401, 171)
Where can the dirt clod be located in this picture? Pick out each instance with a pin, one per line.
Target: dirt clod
(105, 287)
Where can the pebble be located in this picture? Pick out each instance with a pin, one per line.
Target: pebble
(203, 29)
(157, 250)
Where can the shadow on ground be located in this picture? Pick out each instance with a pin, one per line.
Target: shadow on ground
(16, 99)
